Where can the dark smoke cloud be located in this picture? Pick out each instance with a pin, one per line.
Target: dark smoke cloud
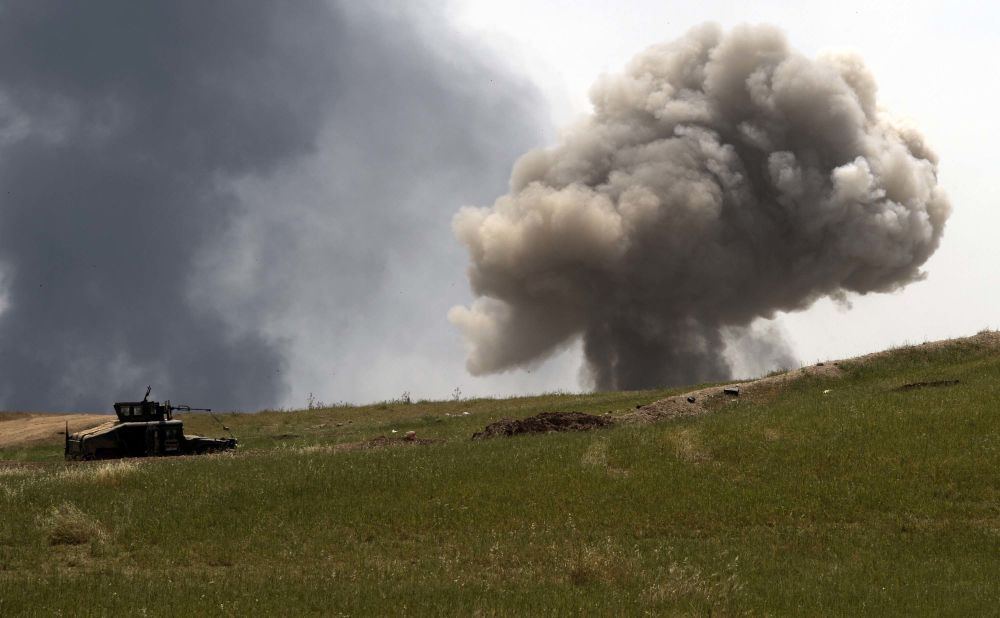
(191, 193)
(122, 122)
(721, 178)
(358, 266)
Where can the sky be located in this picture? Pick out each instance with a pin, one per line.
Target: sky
(247, 207)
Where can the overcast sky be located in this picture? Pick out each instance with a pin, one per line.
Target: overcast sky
(249, 206)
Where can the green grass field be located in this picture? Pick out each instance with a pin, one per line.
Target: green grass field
(859, 501)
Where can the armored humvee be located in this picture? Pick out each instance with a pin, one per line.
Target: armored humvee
(144, 429)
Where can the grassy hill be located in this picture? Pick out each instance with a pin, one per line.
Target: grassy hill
(826, 496)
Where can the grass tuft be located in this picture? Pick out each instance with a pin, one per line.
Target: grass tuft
(66, 524)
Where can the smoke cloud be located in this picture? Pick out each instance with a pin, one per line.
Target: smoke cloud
(722, 178)
(215, 198)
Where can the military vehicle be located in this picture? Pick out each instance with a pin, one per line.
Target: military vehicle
(144, 429)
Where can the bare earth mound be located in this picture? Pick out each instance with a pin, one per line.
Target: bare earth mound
(46, 427)
(543, 423)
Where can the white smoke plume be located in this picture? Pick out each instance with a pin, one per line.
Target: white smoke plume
(721, 178)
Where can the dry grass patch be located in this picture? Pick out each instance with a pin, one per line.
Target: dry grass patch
(66, 524)
(687, 445)
(596, 456)
(683, 581)
(771, 434)
(16, 471)
(110, 473)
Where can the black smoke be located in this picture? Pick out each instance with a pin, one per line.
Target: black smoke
(185, 187)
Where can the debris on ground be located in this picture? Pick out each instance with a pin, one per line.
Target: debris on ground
(545, 422)
(732, 390)
(916, 385)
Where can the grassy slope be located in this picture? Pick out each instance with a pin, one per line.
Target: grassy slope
(859, 501)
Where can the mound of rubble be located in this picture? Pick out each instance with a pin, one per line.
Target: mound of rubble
(544, 423)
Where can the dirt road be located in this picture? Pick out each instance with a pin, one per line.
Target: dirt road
(20, 429)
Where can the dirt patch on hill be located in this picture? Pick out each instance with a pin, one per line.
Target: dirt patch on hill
(931, 384)
(29, 428)
(700, 401)
(691, 403)
(545, 422)
(381, 442)
(703, 400)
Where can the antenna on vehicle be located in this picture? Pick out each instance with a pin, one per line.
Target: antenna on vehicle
(146, 396)
(221, 423)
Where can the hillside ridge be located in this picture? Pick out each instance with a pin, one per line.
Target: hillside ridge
(703, 400)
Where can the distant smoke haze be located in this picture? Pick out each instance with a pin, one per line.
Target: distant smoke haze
(721, 178)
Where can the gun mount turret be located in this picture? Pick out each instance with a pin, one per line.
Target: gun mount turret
(144, 429)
